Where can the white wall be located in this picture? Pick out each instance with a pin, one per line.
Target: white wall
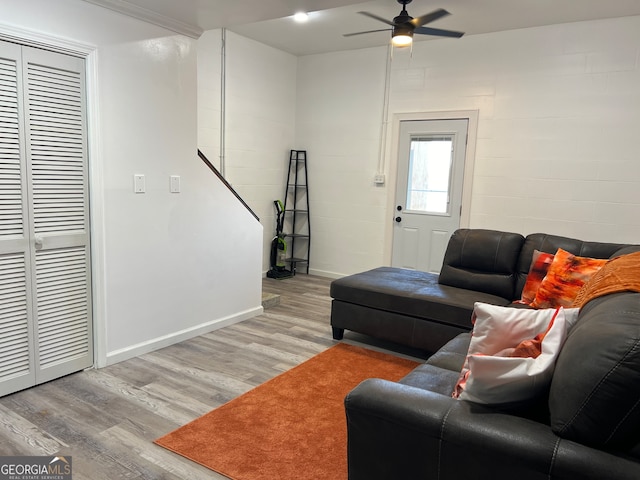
(339, 113)
(559, 112)
(166, 266)
(260, 119)
(209, 47)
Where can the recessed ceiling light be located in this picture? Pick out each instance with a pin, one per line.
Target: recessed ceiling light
(301, 17)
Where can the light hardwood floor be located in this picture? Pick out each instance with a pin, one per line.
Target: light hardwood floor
(107, 419)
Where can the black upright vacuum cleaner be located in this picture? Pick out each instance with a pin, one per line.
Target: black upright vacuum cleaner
(279, 247)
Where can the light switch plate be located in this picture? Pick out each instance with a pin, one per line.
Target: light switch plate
(138, 183)
(175, 184)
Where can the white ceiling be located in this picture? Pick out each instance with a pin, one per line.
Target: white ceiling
(270, 22)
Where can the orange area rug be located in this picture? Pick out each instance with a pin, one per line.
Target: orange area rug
(291, 427)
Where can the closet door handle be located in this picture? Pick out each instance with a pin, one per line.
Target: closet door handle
(38, 242)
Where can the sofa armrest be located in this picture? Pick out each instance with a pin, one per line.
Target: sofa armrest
(398, 431)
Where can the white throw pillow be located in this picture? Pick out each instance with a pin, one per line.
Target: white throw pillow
(491, 374)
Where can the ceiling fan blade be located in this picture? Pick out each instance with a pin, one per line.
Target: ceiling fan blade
(429, 17)
(376, 17)
(438, 32)
(368, 31)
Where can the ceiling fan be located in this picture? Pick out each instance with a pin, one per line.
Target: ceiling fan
(404, 25)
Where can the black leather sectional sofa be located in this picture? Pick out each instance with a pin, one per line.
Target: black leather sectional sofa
(586, 424)
(425, 310)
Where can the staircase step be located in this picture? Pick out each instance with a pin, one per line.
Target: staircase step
(270, 300)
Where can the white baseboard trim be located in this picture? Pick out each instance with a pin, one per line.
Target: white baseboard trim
(319, 273)
(167, 340)
(323, 273)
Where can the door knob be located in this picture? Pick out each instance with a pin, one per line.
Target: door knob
(38, 242)
(398, 219)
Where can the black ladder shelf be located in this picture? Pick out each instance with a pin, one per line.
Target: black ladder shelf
(297, 227)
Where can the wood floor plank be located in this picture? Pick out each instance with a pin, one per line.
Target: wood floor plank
(157, 461)
(26, 436)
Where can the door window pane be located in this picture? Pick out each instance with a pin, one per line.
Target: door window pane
(430, 159)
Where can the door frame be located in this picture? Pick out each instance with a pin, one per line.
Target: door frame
(469, 163)
(95, 166)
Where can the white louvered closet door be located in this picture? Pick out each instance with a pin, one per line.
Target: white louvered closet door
(53, 248)
(16, 328)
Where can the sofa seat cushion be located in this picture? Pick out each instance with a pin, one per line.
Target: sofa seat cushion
(441, 371)
(453, 354)
(434, 379)
(413, 293)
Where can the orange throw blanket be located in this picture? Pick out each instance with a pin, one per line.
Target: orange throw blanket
(620, 274)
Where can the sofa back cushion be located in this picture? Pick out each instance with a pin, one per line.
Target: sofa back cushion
(482, 260)
(626, 250)
(595, 392)
(550, 244)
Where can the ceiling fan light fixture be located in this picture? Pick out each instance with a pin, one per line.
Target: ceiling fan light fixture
(402, 40)
(402, 36)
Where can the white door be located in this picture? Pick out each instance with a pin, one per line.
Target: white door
(431, 157)
(45, 288)
(16, 330)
